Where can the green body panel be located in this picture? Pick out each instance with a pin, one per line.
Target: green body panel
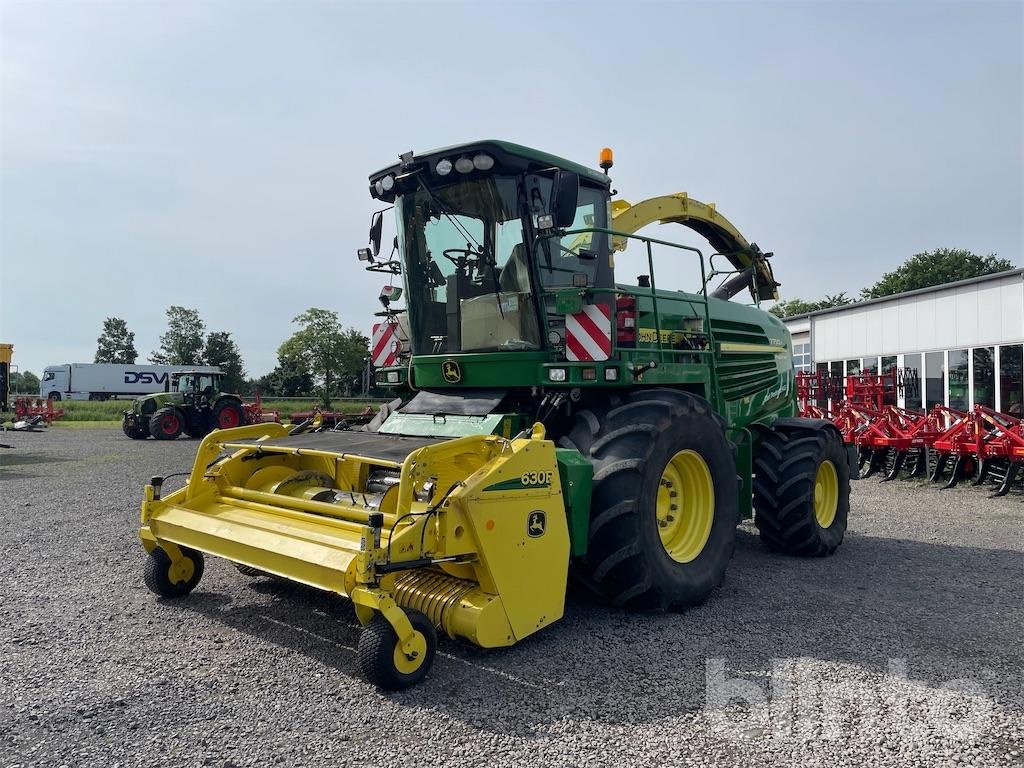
(576, 474)
(160, 399)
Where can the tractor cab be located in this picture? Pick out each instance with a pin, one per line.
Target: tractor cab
(197, 388)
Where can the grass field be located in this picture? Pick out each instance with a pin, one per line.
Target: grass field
(109, 412)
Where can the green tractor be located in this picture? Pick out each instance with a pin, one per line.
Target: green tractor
(561, 424)
(194, 405)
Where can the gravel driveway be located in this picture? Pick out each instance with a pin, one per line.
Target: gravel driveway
(905, 648)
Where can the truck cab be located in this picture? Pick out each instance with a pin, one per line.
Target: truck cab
(55, 382)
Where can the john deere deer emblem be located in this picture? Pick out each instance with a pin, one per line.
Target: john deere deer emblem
(451, 371)
(536, 523)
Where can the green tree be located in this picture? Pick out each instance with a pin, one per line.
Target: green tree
(116, 344)
(290, 378)
(943, 265)
(335, 357)
(26, 383)
(221, 350)
(801, 307)
(183, 342)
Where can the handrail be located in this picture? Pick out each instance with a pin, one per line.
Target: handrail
(653, 287)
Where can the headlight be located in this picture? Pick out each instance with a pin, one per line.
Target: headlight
(483, 162)
(443, 167)
(379, 187)
(463, 165)
(611, 374)
(387, 183)
(392, 377)
(556, 374)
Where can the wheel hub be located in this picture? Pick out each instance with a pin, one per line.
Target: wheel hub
(409, 658)
(685, 508)
(826, 493)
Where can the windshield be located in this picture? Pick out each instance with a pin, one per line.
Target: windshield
(467, 267)
(583, 253)
(186, 383)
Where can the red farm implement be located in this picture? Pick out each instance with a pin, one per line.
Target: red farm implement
(28, 408)
(946, 444)
(984, 444)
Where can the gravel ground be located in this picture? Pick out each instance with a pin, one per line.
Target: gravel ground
(905, 648)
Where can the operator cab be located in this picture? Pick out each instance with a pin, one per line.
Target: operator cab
(478, 245)
(198, 384)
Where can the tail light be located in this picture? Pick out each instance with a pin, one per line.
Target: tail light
(625, 321)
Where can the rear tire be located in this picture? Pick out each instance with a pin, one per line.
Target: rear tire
(638, 444)
(166, 423)
(228, 414)
(802, 491)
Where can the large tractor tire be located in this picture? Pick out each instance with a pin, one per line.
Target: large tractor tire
(227, 414)
(665, 499)
(801, 490)
(166, 423)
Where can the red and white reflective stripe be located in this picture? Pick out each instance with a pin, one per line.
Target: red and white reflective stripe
(588, 334)
(384, 344)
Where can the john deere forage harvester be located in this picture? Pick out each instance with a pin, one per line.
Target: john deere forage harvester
(561, 423)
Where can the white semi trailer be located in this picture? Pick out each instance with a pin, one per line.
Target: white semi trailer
(105, 381)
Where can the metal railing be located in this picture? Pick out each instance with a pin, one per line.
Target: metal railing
(617, 291)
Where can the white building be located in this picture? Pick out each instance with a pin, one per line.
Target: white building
(962, 343)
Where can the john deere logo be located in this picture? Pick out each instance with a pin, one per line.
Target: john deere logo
(451, 371)
(536, 523)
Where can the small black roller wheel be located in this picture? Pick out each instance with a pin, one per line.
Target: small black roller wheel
(166, 423)
(383, 662)
(164, 580)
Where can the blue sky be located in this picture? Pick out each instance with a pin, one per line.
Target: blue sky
(215, 154)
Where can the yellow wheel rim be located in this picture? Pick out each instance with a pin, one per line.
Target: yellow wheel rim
(407, 663)
(686, 506)
(826, 493)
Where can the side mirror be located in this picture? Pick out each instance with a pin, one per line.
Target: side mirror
(376, 225)
(565, 192)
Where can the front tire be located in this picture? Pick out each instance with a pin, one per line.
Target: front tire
(166, 423)
(383, 662)
(802, 491)
(133, 430)
(665, 500)
(165, 580)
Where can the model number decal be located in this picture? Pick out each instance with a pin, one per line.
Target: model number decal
(536, 478)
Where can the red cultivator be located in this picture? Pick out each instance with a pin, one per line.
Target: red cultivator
(27, 408)
(982, 444)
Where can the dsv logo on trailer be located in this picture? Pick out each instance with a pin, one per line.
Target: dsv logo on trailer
(144, 377)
